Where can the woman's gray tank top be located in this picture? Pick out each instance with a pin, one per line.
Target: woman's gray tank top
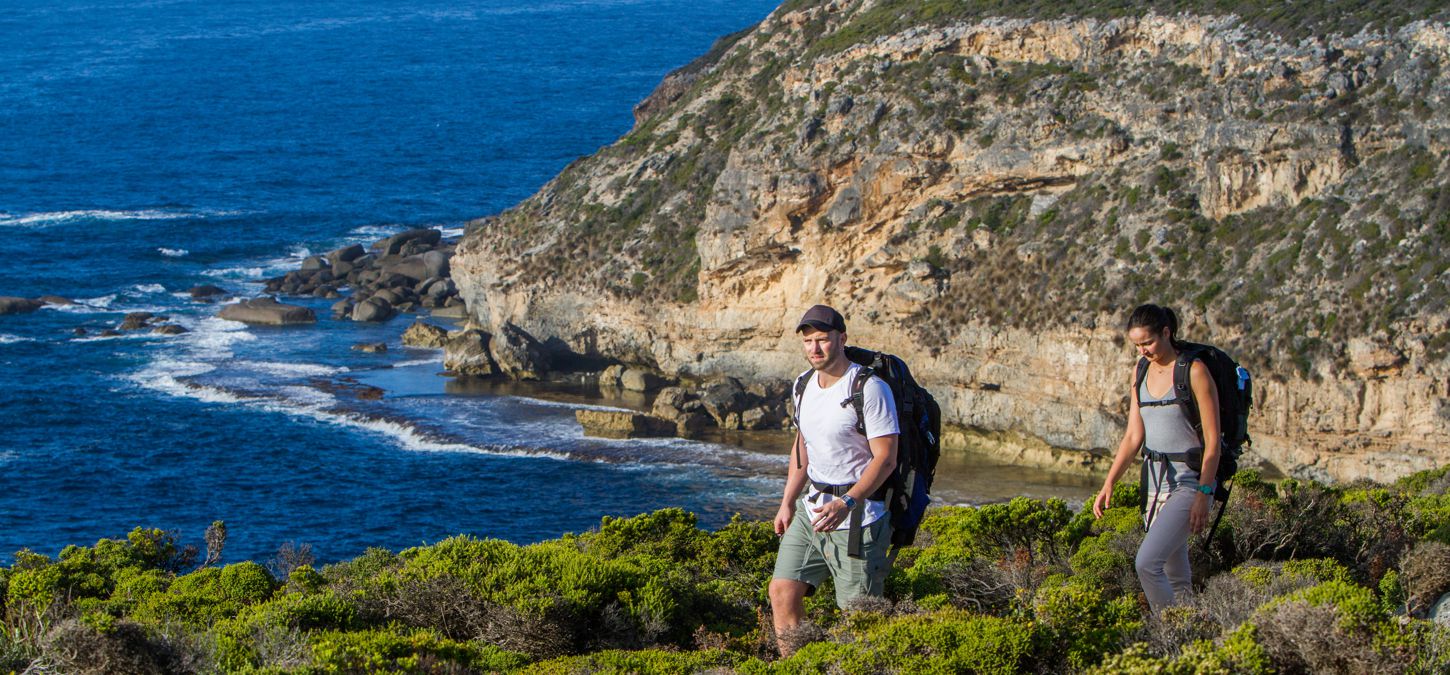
(1166, 429)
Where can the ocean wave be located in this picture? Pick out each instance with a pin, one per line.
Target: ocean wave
(213, 337)
(12, 339)
(309, 403)
(128, 335)
(419, 362)
(247, 272)
(147, 289)
(50, 218)
(173, 252)
(290, 369)
(374, 232)
(544, 403)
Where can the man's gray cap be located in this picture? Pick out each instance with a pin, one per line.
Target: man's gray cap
(823, 318)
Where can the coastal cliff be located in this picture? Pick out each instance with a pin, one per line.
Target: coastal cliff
(988, 195)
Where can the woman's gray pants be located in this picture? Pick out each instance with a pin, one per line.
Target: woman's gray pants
(1162, 561)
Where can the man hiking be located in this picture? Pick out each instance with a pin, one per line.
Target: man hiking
(833, 503)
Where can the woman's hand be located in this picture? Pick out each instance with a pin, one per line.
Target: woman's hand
(1104, 500)
(1198, 513)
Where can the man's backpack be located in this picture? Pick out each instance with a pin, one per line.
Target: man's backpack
(1235, 397)
(918, 446)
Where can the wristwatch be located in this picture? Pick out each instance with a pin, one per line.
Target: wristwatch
(850, 501)
(1206, 489)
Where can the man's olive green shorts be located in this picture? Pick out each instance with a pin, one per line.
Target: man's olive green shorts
(810, 556)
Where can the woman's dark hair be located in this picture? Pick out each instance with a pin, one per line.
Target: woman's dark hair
(1155, 318)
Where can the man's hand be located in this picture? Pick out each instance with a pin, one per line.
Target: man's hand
(830, 515)
(783, 517)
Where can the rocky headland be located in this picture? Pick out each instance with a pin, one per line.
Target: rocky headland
(988, 195)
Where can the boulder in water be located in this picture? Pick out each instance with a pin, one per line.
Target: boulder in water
(373, 309)
(466, 353)
(618, 424)
(424, 335)
(346, 254)
(639, 379)
(205, 292)
(14, 305)
(394, 244)
(267, 311)
(137, 320)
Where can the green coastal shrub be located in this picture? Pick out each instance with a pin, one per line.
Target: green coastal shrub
(208, 595)
(1079, 623)
(949, 641)
(416, 651)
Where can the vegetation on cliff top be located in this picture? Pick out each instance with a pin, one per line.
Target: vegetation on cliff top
(1303, 577)
(1291, 19)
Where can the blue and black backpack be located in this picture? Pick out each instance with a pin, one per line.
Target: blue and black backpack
(907, 491)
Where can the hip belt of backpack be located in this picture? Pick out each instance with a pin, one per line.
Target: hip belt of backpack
(858, 514)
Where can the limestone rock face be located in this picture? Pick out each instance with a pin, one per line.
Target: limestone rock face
(267, 311)
(466, 353)
(519, 355)
(989, 199)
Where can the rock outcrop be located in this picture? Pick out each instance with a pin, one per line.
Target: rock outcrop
(409, 271)
(989, 197)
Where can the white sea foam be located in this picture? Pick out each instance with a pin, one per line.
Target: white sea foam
(12, 339)
(374, 232)
(213, 337)
(50, 218)
(451, 232)
(128, 335)
(542, 403)
(419, 362)
(173, 252)
(246, 272)
(406, 435)
(147, 289)
(309, 396)
(291, 369)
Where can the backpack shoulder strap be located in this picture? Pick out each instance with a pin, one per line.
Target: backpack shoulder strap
(1138, 380)
(800, 392)
(858, 396)
(1182, 388)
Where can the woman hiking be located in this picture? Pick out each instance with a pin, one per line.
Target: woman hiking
(1158, 425)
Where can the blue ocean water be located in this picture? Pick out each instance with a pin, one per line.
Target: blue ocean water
(150, 146)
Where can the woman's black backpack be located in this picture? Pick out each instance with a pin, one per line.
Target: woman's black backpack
(1235, 397)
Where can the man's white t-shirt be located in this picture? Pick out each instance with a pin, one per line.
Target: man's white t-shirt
(837, 453)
